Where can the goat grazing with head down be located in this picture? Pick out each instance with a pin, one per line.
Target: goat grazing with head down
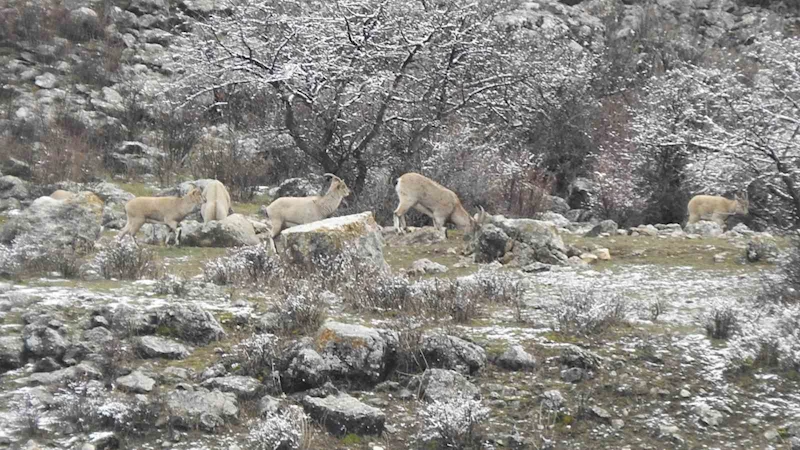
(716, 208)
(435, 201)
(167, 210)
(287, 212)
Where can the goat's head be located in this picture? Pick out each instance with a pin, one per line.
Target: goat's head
(338, 185)
(477, 221)
(195, 196)
(742, 203)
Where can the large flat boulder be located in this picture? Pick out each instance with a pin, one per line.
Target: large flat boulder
(441, 385)
(358, 234)
(342, 414)
(232, 231)
(529, 241)
(59, 223)
(355, 352)
(202, 408)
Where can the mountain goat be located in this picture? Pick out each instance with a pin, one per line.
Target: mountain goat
(217, 202)
(167, 210)
(287, 212)
(716, 208)
(433, 200)
(62, 195)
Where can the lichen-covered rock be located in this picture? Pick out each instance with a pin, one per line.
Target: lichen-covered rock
(359, 234)
(232, 231)
(704, 228)
(136, 382)
(450, 352)
(516, 358)
(243, 387)
(555, 218)
(440, 385)
(425, 266)
(417, 236)
(190, 323)
(42, 341)
(355, 352)
(16, 168)
(82, 371)
(202, 408)
(59, 223)
(11, 350)
(13, 187)
(535, 240)
(574, 356)
(342, 414)
(157, 347)
(606, 226)
(303, 367)
(490, 244)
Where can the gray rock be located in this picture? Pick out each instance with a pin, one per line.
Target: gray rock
(48, 364)
(342, 414)
(42, 341)
(600, 414)
(13, 187)
(541, 240)
(357, 233)
(450, 352)
(130, 156)
(243, 387)
(190, 323)
(177, 374)
(552, 400)
(202, 8)
(115, 217)
(490, 244)
(202, 408)
(555, 218)
(136, 382)
(704, 228)
(516, 358)
(73, 223)
(303, 368)
(46, 81)
(82, 371)
(233, 231)
(582, 192)
(794, 443)
(670, 432)
(573, 375)
(606, 226)
(157, 36)
(440, 385)
(574, 356)
(356, 353)
(555, 205)
(300, 187)
(85, 18)
(708, 416)
(7, 204)
(16, 168)
(425, 266)
(111, 194)
(157, 347)
(268, 405)
(11, 350)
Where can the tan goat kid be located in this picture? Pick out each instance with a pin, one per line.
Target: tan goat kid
(287, 212)
(716, 208)
(217, 202)
(62, 195)
(435, 201)
(167, 210)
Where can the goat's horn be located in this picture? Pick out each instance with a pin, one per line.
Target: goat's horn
(331, 175)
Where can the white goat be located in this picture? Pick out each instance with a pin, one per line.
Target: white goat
(433, 200)
(716, 208)
(217, 202)
(167, 210)
(287, 212)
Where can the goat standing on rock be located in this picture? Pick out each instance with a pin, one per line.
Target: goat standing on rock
(167, 210)
(287, 212)
(433, 200)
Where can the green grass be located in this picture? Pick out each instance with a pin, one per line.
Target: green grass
(138, 189)
(251, 207)
(696, 253)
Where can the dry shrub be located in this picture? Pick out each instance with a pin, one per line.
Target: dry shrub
(240, 171)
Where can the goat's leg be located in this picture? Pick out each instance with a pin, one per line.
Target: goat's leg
(439, 224)
(399, 216)
(173, 226)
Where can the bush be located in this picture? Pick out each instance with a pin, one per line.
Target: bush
(453, 423)
(302, 309)
(722, 320)
(255, 356)
(784, 289)
(771, 341)
(35, 254)
(9, 262)
(287, 431)
(125, 260)
(589, 312)
(170, 284)
(240, 171)
(254, 264)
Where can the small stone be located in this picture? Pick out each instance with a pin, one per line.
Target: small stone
(772, 435)
(572, 375)
(617, 423)
(603, 254)
(136, 382)
(46, 81)
(685, 393)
